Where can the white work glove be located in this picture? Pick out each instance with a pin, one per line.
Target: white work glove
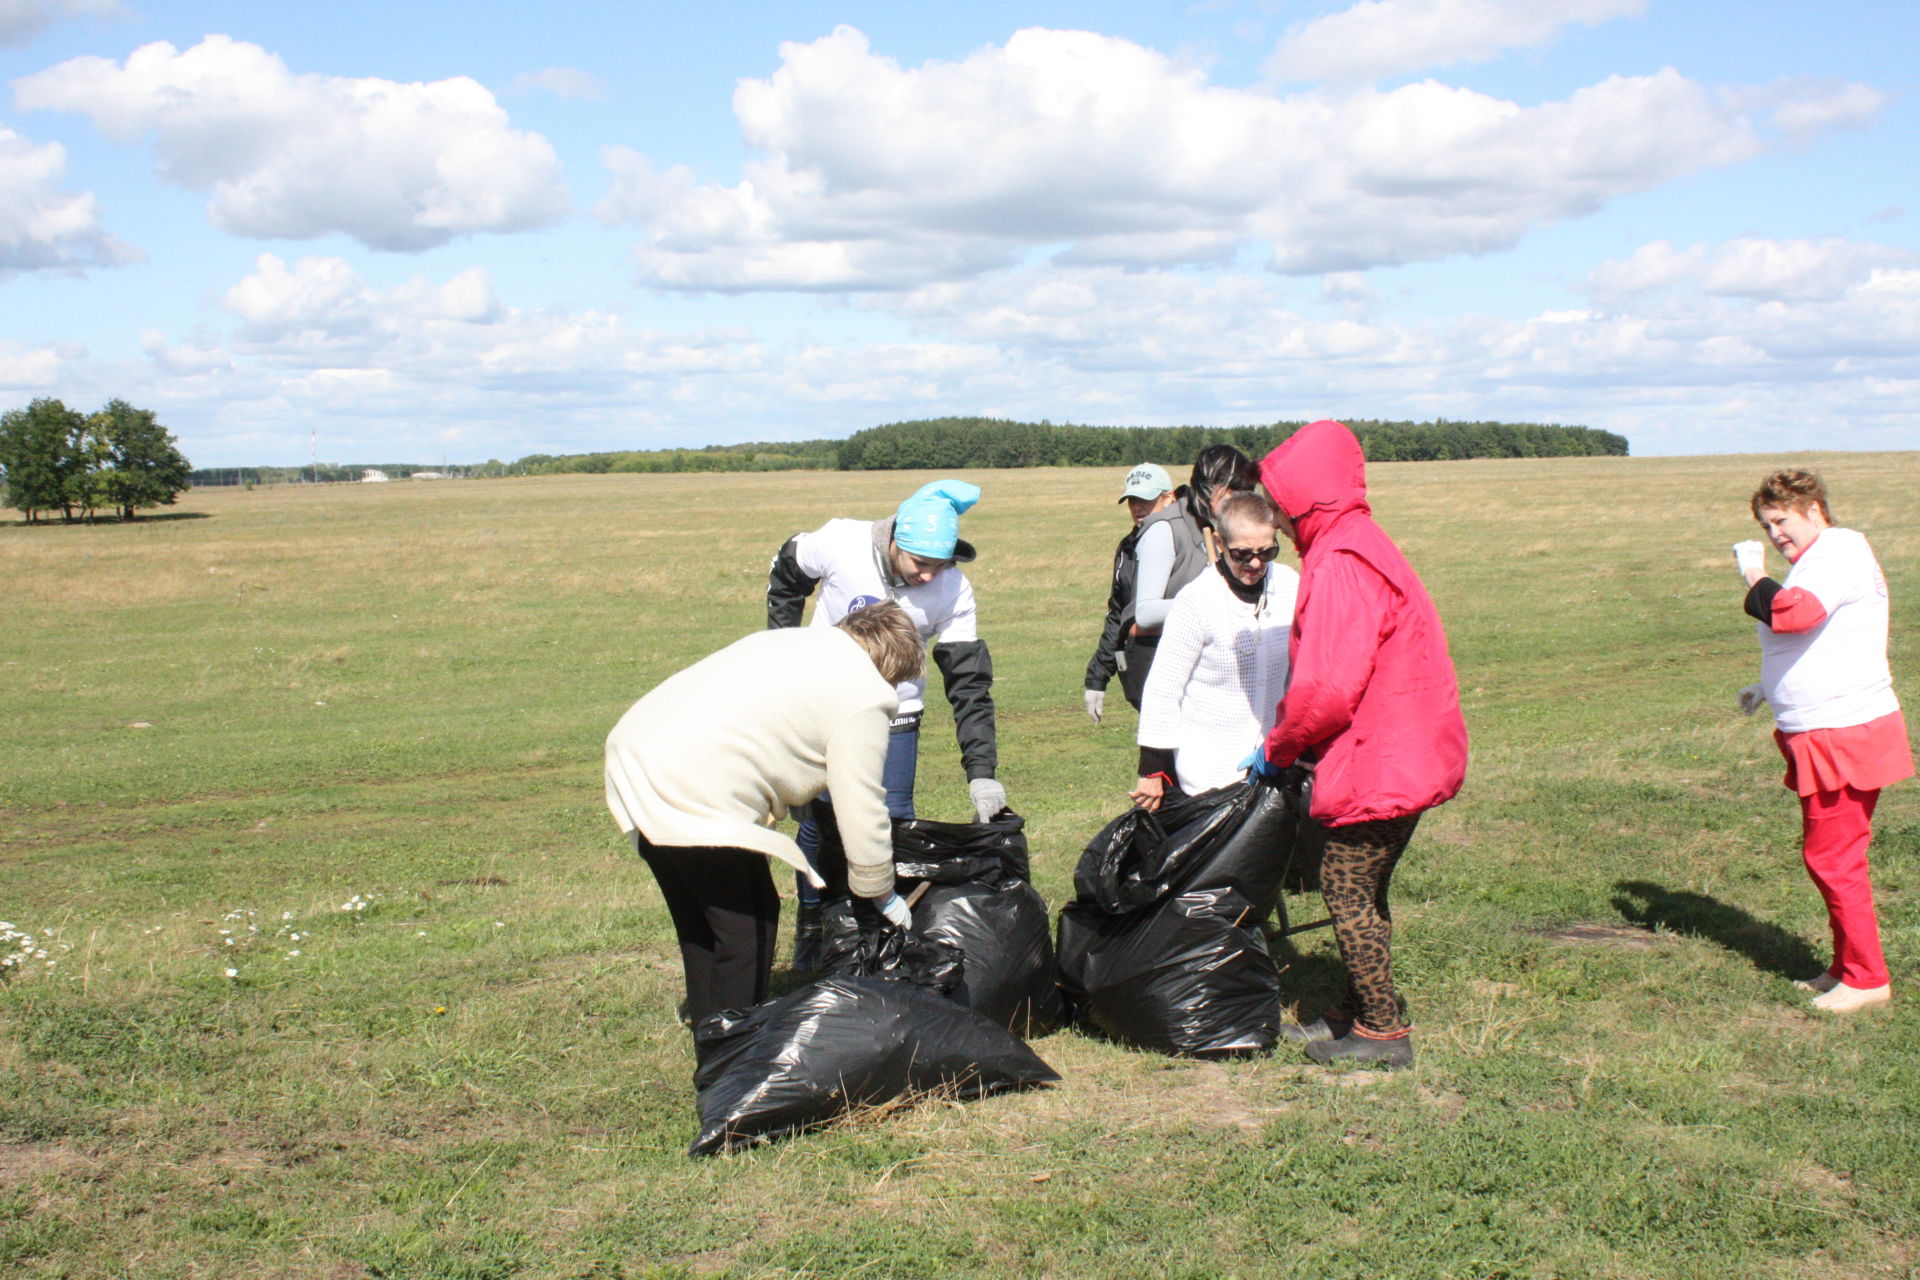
(1751, 557)
(1751, 699)
(1096, 703)
(895, 909)
(989, 798)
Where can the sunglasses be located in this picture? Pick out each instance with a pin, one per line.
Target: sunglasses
(1251, 555)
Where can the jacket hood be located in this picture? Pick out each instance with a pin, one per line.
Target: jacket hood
(1318, 475)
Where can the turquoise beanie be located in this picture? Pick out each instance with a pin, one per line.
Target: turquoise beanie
(928, 523)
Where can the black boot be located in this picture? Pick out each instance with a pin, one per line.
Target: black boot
(809, 938)
(1359, 1049)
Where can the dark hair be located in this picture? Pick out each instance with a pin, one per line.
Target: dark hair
(1792, 490)
(1217, 466)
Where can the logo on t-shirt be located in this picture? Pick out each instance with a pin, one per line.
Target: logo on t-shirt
(858, 603)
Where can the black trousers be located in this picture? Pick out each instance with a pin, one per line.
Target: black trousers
(726, 913)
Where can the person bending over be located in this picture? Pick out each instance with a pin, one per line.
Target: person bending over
(700, 768)
(909, 558)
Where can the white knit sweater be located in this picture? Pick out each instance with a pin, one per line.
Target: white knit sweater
(1218, 677)
(717, 753)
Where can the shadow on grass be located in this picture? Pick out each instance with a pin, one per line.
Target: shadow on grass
(1770, 948)
(110, 522)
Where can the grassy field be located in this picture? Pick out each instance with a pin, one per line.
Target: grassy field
(301, 791)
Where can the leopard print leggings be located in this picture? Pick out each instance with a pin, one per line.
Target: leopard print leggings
(1354, 872)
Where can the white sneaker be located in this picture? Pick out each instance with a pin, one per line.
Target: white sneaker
(1820, 985)
(1846, 999)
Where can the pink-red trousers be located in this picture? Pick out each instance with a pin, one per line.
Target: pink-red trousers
(1836, 827)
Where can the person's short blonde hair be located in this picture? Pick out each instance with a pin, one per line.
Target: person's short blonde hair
(1792, 490)
(888, 635)
(1247, 508)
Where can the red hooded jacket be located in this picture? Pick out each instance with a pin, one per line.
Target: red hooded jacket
(1372, 699)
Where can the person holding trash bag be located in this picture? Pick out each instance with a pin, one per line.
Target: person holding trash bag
(1222, 664)
(1173, 550)
(1148, 489)
(1373, 705)
(911, 559)
(1823, 670)
(700, 768)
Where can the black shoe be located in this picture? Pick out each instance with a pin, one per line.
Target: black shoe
(809, 938)
(1309, 1032)
(1361, 1050)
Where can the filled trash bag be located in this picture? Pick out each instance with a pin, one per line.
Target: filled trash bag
(1162, 947)
(1190, 976)
(852, 948)
(1242, 836)
(975, 896)
(840, 1043)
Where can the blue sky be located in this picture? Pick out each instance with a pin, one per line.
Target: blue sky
(435, 231)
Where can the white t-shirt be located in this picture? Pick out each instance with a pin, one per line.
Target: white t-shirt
(1218, 677)
(853, 573)
(1835, 675)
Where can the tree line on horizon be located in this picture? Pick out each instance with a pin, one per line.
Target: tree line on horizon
(947, 444)
(119, 459)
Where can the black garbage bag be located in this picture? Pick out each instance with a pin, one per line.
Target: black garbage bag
(978, 898)
(1162, 946)
(975, 896)
(852, 947)
(1245, 836)
(1189, 976)
(840, 1043)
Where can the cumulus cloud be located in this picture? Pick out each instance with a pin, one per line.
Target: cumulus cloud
(562, 82)
(22, 20)
(41, 226)
(396, 166)
(1379, 38)
(871, 176)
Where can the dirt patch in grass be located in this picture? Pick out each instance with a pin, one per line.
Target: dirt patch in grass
(27, 1161)
(1607, 935)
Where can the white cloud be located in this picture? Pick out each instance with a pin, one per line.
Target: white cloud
(41, 226)
(562, 82)
(1750, 267)
(22, 20)
(396, 166)
(1378, 38)
(873, 176)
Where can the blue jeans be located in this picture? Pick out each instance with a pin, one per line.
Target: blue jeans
(897, 776)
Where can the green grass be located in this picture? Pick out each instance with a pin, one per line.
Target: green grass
(397, 695)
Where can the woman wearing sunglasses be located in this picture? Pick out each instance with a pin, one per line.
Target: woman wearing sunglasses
(1222, 664)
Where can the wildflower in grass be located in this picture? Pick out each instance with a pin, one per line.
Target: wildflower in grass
(233, 973)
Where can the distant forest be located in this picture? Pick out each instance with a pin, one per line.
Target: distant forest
(951, 444)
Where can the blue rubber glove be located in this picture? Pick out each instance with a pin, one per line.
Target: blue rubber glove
(1258, 766)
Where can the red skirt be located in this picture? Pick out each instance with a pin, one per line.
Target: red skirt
(1865, 757)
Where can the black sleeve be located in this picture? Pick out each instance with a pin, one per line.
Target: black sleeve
(967, 669)
(1157, 760)
(1760, 600)
(788, 587)
(1104, 664)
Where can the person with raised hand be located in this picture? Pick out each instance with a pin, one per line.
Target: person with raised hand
(1823, 670)
(700, 769)
(1148, 489)
(910, 558)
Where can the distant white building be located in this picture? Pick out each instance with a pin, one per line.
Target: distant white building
(373, 475)
(429, 475)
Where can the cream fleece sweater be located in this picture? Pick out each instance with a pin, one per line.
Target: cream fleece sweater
(717, 753)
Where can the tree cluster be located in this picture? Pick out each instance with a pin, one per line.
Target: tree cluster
(120, 459)
(948, 444)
